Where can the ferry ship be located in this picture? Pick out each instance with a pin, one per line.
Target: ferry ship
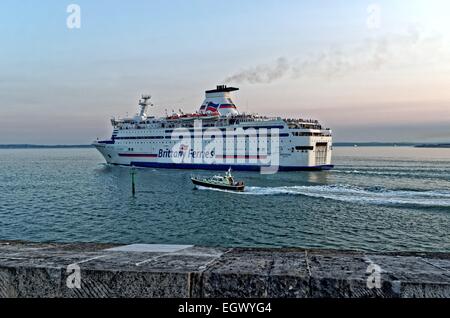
(161, 142)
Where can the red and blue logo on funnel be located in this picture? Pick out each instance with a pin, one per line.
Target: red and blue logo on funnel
(212, 107)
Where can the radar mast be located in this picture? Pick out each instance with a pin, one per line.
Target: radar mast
(144, 102)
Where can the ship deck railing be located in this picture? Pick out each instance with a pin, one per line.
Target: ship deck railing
(239, 119)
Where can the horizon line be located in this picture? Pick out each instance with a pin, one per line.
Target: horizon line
(338, 144)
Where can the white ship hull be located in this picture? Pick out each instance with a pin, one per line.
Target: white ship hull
(112, 156)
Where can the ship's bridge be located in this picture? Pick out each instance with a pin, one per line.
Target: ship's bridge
(219, 100)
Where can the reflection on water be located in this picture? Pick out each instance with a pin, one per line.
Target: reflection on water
(318, 177)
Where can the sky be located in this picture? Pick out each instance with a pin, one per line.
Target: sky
(370, 70)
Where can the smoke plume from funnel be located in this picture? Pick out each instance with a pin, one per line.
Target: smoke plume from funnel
(262, 73)
(409, 48)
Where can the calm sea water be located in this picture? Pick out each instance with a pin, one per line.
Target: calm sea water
(383, 199)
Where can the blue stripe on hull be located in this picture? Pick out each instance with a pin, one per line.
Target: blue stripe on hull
(224, 167)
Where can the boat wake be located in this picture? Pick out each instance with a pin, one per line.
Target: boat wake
(353, 194)
(416, 173)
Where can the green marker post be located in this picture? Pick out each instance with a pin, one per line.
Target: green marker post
(133, 184)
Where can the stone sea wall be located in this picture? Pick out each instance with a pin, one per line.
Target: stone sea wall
(34, 270)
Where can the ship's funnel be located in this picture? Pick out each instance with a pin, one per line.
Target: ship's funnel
(219, 100)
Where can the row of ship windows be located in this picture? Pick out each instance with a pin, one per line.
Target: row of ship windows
(221, 129)
(228, 129)
(299, 149)
(297, 134)
(308, 134)
(146, 143)
(181, 137)
(258, 149)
